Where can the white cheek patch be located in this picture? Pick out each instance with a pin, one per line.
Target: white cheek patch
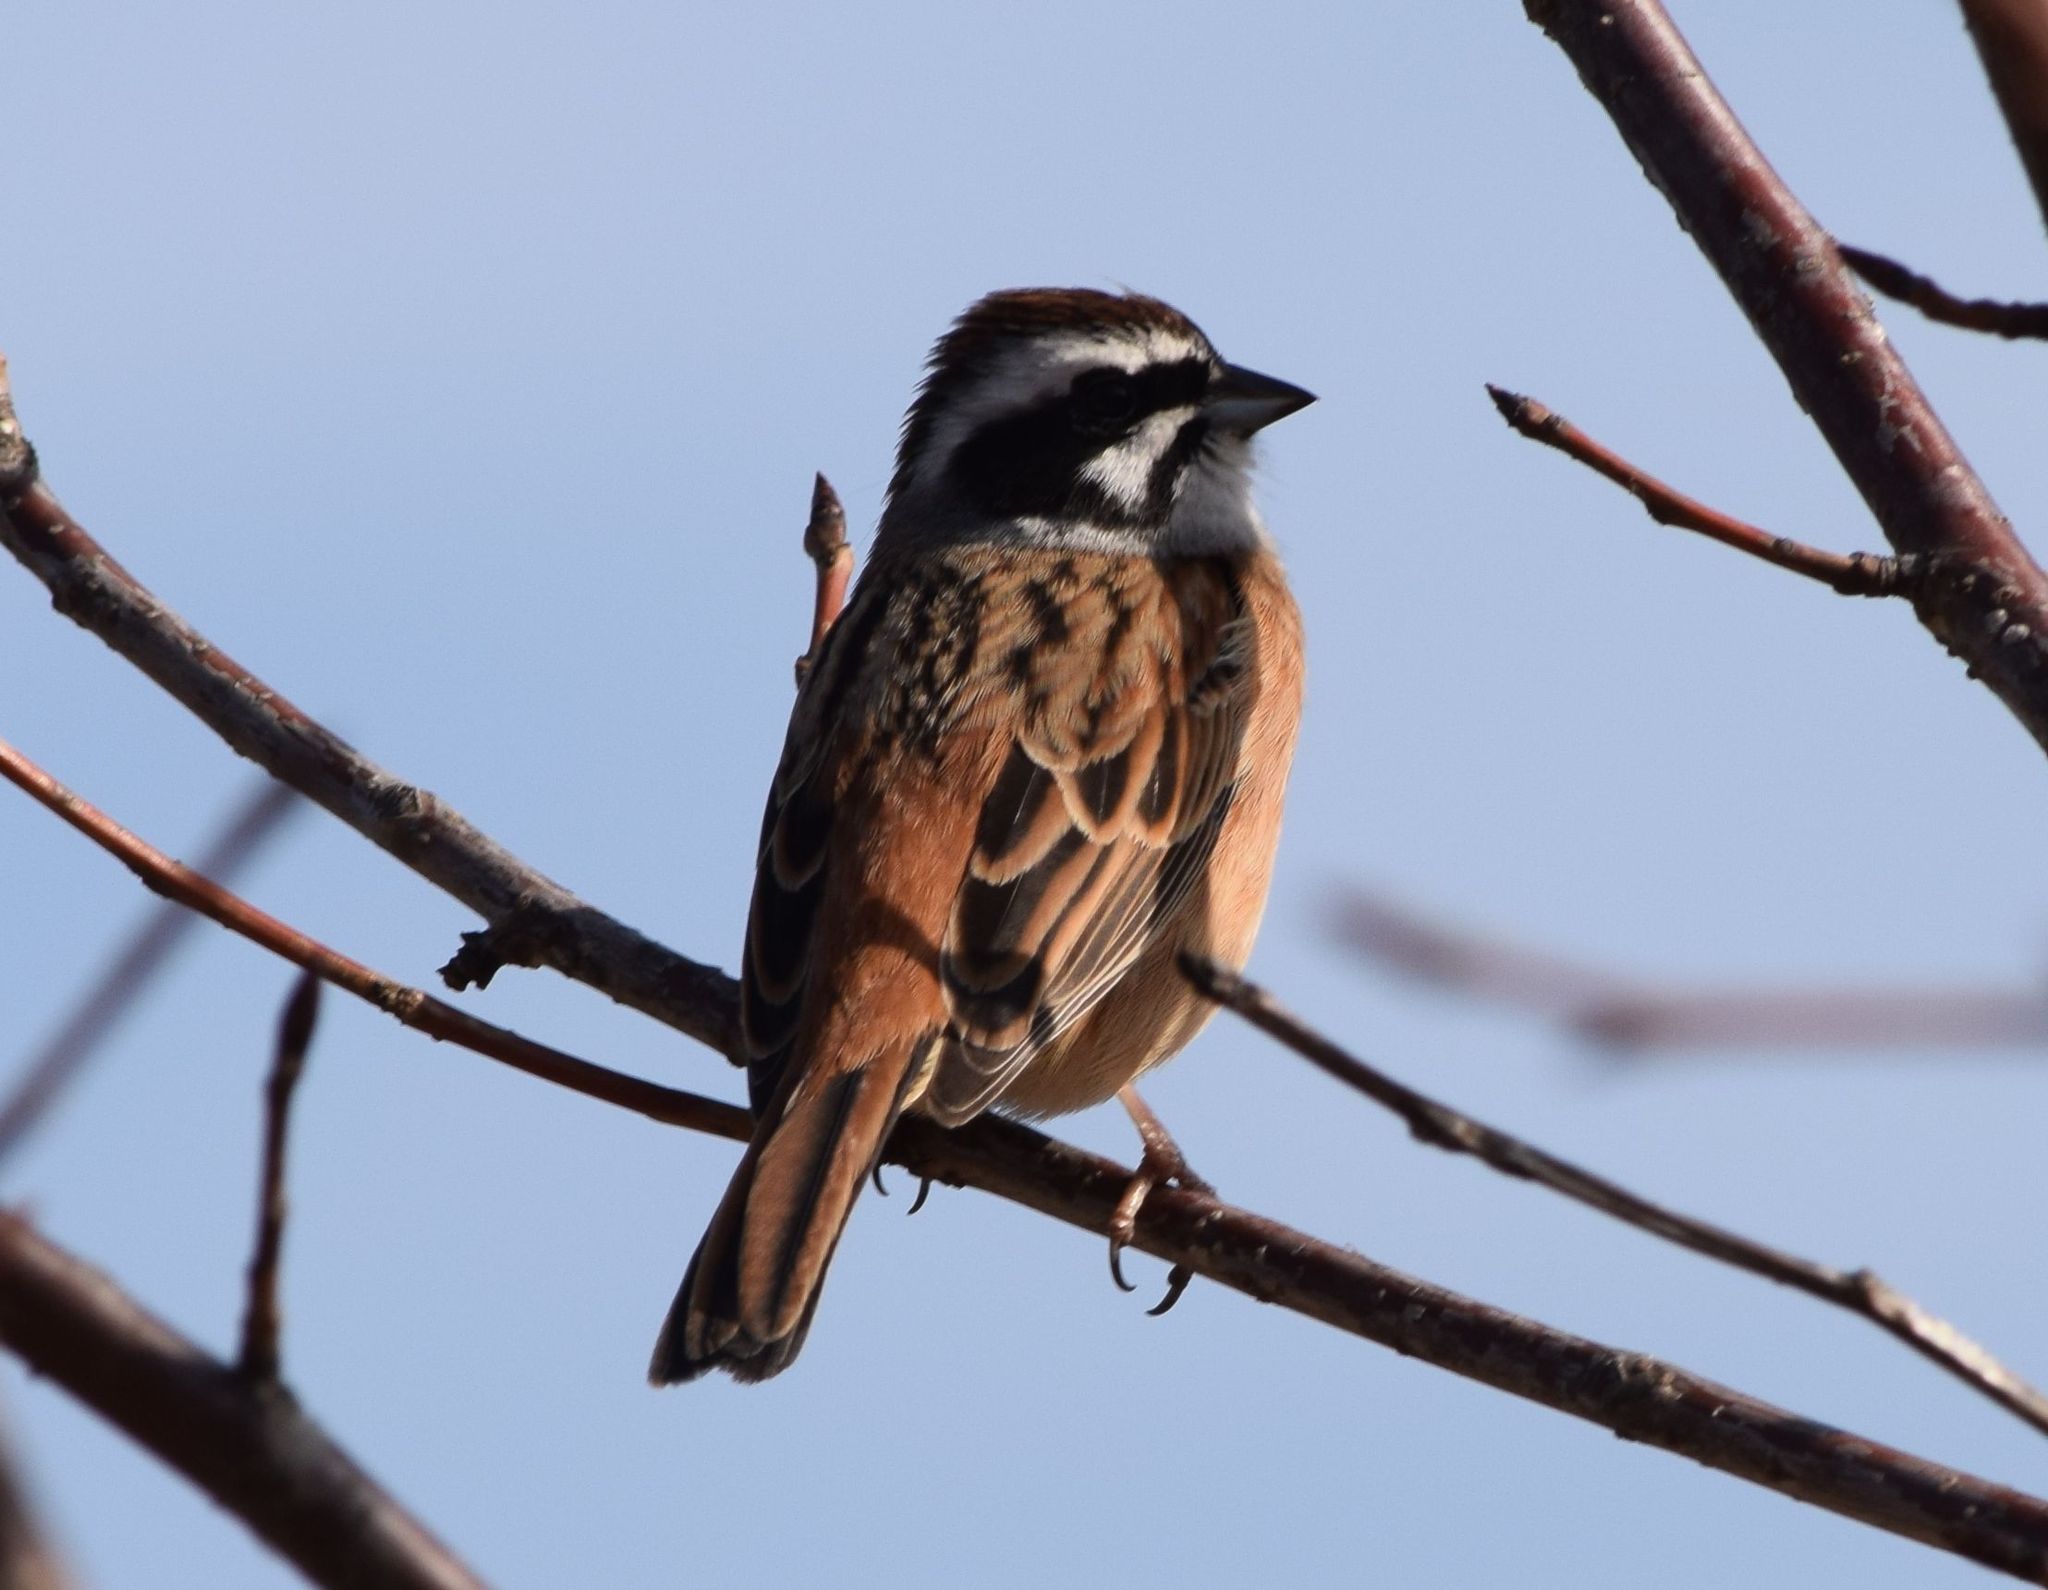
(1124, 471)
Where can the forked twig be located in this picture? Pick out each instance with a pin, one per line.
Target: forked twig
(256, 1452)
(1859, 1291)
(1974, 585)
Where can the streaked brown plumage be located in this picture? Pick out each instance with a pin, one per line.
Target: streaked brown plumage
(1041, 752)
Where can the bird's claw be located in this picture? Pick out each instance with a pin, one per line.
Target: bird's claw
(924, 1188)
(1163, 1165)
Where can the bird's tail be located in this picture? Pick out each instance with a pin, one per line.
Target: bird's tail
(747, 1299)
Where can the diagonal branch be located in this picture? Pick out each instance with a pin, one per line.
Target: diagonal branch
(1638, 1397)
(1978, 590)
(535, 920)
(1861, 1292)
(1854, 574)
(409, 1006)
(250, 1447)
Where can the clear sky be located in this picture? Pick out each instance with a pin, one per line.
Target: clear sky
(462, 369)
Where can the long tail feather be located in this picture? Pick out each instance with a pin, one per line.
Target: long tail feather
(747, 1299)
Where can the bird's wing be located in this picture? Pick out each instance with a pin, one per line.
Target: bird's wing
(1008, 775)
(1125, 688)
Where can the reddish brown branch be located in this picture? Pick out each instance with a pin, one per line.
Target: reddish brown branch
(825, 545)
(411, 1006)
(248, 1446)
(1625, 1013)
(1637, 1397)
(534, 921)
(53, 1068)
(1861, 1292)
(1888, 276)
(1976, 588)
(262, 1319)
(2012, 41)
(1857, 574)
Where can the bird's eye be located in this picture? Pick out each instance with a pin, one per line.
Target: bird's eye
(1103, 401)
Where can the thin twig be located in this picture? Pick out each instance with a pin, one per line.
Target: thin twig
(1976, 588)
(250, 1447)
(1629, 1015)
(1859, 1291)
(1857, 574)
(534, 920)
(2011, 320)
(262, 1320)
(1638, 1397)
(825, 545)
(55, 1066)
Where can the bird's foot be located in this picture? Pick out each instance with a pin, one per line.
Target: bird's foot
(1162, 1165)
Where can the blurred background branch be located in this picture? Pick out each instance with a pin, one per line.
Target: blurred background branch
(1630, 1017)
(57, 1064)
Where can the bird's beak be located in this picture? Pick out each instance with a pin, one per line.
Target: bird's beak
(1244, 401)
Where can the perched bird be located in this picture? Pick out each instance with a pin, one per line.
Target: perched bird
(1039, 755)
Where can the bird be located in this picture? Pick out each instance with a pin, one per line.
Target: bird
(1039, 756)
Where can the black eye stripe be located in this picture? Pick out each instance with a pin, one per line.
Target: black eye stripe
(1033, 461)
(1155, 387)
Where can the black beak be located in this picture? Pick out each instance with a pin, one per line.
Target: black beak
(1244, 401)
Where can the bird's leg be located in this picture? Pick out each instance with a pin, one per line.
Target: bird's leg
(1162, 1163)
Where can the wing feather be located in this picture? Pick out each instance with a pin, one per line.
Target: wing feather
(1100, 825)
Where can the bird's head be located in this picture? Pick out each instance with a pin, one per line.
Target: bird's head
(1084, 419)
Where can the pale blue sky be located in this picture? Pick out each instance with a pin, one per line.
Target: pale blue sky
(462, 369)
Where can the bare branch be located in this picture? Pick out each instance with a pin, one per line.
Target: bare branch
(825, 545)
(2012, 41)
(1857, 574)
(1860, 1291)
(262, 1319)
(410, 1006)
(534, 920)
(249, 1446)
(1976, 588)
(1888, 276)
(1629, 1014)
(1639, 1398)
(54, 1067)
